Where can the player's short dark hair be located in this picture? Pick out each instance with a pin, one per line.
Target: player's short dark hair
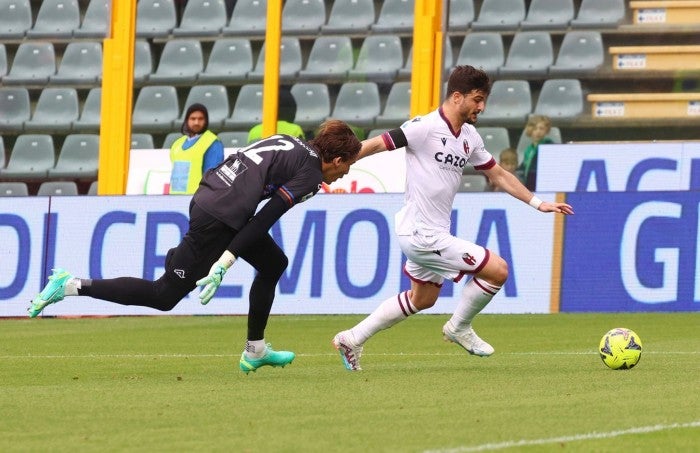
(335, 138)
(465, 79)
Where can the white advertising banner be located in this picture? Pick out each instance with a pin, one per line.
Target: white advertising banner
(619, 167)
(149, 173)
(343, 255)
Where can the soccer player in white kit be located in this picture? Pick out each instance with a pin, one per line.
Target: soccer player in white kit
(438, 146)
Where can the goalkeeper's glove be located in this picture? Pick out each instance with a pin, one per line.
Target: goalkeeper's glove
(212, 281)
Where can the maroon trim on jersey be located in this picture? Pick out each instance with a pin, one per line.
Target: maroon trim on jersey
(421, 282)
(449, 125)
(487, 165)
(404, 304)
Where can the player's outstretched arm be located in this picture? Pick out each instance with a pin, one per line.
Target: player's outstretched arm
(511, 184)
(371, 146)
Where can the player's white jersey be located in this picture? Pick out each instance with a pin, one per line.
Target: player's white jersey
(435, 158)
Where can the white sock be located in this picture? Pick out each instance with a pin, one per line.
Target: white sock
(72, 287)
(476, 294)
(391, 311)
(255, 348)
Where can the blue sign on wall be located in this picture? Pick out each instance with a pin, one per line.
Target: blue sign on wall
(631, 252)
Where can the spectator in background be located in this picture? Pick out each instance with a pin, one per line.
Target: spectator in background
(508, 159)
(286, 111)
(537, 128)
(198, 150)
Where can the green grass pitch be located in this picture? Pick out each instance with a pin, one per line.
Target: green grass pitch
(172, 384)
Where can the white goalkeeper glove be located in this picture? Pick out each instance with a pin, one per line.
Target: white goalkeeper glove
(212, 281)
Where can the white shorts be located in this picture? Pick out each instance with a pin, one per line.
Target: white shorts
(433, 258)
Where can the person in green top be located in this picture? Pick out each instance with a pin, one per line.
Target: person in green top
(198, 150)
(537, 128)
(286, 111)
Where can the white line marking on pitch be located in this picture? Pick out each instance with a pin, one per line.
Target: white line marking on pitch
(329, 354)
(573, 438)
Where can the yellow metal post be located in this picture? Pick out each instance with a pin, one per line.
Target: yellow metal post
(271, 82)
(426, 71)
(117, 94)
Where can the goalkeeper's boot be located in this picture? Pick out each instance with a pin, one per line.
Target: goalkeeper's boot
(271, 358)
(53, 292)
(349, 352)
(467, 338)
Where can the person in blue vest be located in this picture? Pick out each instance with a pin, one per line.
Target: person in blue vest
(198, 150)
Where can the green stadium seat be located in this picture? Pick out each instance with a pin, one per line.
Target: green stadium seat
(95, 22)
(31, 158)
(33, 64)
(230, 60)
(55, 111)
(56, 19)
(202, 18)
(357, 103)
(81, 64)
(15, 108)
(500, 15)
(57, 188)
(15, 19)
(349, 16)
(249, 18)
(155, 18)
(78, 158)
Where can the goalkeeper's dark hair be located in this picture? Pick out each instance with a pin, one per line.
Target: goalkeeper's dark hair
(335, 138)
(465, 79)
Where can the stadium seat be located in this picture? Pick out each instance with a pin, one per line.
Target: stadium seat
(181, 61)
(15, 18)
(78, 158)
(375, 132)
(331, 57)
(357, 103)
(461, 15)
(142, 141)
(560, 98)
(230, 60)
(214, 98)
(15, 108)
(380, 58)
(395, 16)
(95, 21)
(313, 103)
(510, 102)
(57, 188)
(405, 71)
(56, 19)
(202, 18)
(247, 111)
(349, 16)
(303, 16)
(55, 111)
(500, 15)
(155, 18)
(143, 60)
(234, 139)
(155, 109)
(170, 139)
(548, 14)
(89, 120)
(3, 61)
(496, 139)
(2, 152)
(580, 52)
(31, 158)
(249, 18)
(290, 60)
(482, 50)
(599, 14)
(397, 107)
(473, 183)
(13, 189)
(530, 54)
(92, 190)
(81, 64)
(33, 64)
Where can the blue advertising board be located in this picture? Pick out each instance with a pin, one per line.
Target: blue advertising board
(634, 251)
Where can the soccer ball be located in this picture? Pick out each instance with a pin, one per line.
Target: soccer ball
(620, 349)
